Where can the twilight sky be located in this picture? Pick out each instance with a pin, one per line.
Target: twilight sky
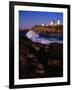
(29, 18)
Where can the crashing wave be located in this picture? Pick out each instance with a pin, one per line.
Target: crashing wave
(34, 37)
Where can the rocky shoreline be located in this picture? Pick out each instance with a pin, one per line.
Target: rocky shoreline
(39, 61)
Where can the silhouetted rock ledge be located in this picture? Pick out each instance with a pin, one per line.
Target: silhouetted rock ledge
(39, 60)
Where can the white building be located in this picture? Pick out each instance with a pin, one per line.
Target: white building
(55, 23)
(52, 22)
(43, 24)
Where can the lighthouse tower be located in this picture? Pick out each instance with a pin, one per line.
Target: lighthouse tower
(58, 22)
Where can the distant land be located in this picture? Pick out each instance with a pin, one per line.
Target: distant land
(55, 29)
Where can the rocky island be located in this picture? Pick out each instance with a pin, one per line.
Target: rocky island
(40, 56)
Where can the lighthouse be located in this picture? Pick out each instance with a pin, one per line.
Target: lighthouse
(58, 22)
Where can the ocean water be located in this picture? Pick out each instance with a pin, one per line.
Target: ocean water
(52, 36)
(43, 38)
